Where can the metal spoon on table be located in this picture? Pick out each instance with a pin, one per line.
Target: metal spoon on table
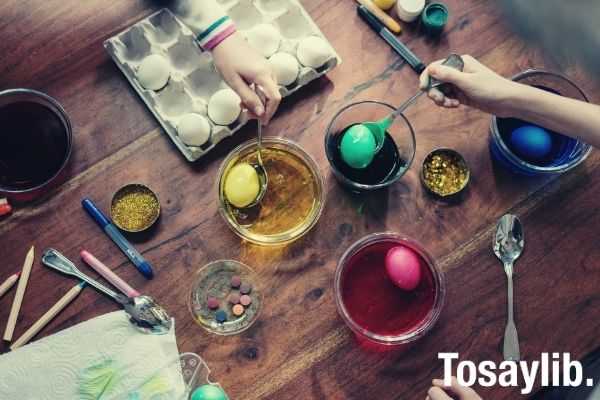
(378, 128)
(143, 311)
(508, 245)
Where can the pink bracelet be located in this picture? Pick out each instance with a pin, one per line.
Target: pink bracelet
(215, 41)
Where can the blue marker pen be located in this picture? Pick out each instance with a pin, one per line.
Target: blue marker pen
(136, 258)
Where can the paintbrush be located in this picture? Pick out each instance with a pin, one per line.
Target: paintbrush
(385, 19)
(16, 306)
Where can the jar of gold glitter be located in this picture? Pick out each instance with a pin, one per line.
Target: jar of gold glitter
(134, 208)
(445, 172)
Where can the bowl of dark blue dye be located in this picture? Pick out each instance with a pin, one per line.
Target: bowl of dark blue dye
(565, 152)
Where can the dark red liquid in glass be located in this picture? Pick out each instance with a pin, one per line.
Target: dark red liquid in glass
(375, 303)
(33, 145)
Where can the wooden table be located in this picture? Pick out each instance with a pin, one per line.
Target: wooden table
(300, 348)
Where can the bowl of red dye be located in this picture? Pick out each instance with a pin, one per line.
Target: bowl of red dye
(36, 143)
(373, 306)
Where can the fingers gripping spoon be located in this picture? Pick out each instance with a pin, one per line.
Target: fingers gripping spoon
(263, 178)
(362, 141)
(145, 314)
(508, 246)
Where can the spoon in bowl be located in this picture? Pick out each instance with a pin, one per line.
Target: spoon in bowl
(259, 167)
(508, 245)
(362, 141)
(144, 313)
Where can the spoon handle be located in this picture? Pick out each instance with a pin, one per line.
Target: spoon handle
(511, 338)
(453, 61)
(55, 260)
(263, 100)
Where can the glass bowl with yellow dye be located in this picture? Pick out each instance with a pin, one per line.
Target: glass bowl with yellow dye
(294, 198)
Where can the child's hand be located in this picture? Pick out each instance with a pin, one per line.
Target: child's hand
(440, 392)
(241, 65)
(477, 86)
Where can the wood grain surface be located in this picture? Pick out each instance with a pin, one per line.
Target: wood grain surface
(300, 348)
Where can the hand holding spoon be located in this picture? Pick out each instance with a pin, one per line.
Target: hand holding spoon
(508, 245)
(263, 178)
(246, 184)
(143, 311)
(362, 141)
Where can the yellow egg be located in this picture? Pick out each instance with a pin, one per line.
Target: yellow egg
(241, 185)
(384, 4)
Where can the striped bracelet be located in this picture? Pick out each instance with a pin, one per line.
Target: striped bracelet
(216, 33)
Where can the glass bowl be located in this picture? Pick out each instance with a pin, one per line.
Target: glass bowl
(294, 198)
(55, 176)
(214, 280)
(401, 131)
(567, 152)
(423, 322)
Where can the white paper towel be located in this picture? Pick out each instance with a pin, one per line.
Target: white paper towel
(52, 368)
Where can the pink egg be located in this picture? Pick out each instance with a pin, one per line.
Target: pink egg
(403, 267)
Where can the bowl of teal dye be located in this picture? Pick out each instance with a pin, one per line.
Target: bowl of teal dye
(390, 162)
(565, 153)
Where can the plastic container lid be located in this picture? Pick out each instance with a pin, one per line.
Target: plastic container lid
(435, 17)
(409, 10)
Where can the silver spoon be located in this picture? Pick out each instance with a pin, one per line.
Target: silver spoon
(263, 179)
(508, 246)
(143, 311)
(379, 128)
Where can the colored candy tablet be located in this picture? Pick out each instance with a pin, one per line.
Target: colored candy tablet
(234, 298)
(358, 146)
(221, 316)
(531, 142)
(403, 267)
(209, 392)
(242, 185)
(245, 288)
(245, 300)
(238, 310)
(212, 303)
(236, 281)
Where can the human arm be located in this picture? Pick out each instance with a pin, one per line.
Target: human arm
(480, 87)
(240, 65)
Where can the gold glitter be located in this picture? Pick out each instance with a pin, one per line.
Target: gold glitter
(134, 208)
(445, 173)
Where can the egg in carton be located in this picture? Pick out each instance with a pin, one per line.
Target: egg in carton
(180, 85)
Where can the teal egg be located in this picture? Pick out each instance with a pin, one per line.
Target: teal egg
(531, 142)
(358, 146)
(209, 392)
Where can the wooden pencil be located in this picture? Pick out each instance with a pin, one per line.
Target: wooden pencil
(16, 306)
(381, 15)
(5, 287)
(48, 316)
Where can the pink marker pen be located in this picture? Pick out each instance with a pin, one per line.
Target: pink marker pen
(108, 274)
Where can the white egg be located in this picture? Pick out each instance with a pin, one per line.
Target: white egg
(286, 68)
(193, 129)
(265, 38)
(224, 107)
(153, 72)
(313, 52)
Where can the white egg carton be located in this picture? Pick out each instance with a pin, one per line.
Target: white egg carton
(194, 79)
